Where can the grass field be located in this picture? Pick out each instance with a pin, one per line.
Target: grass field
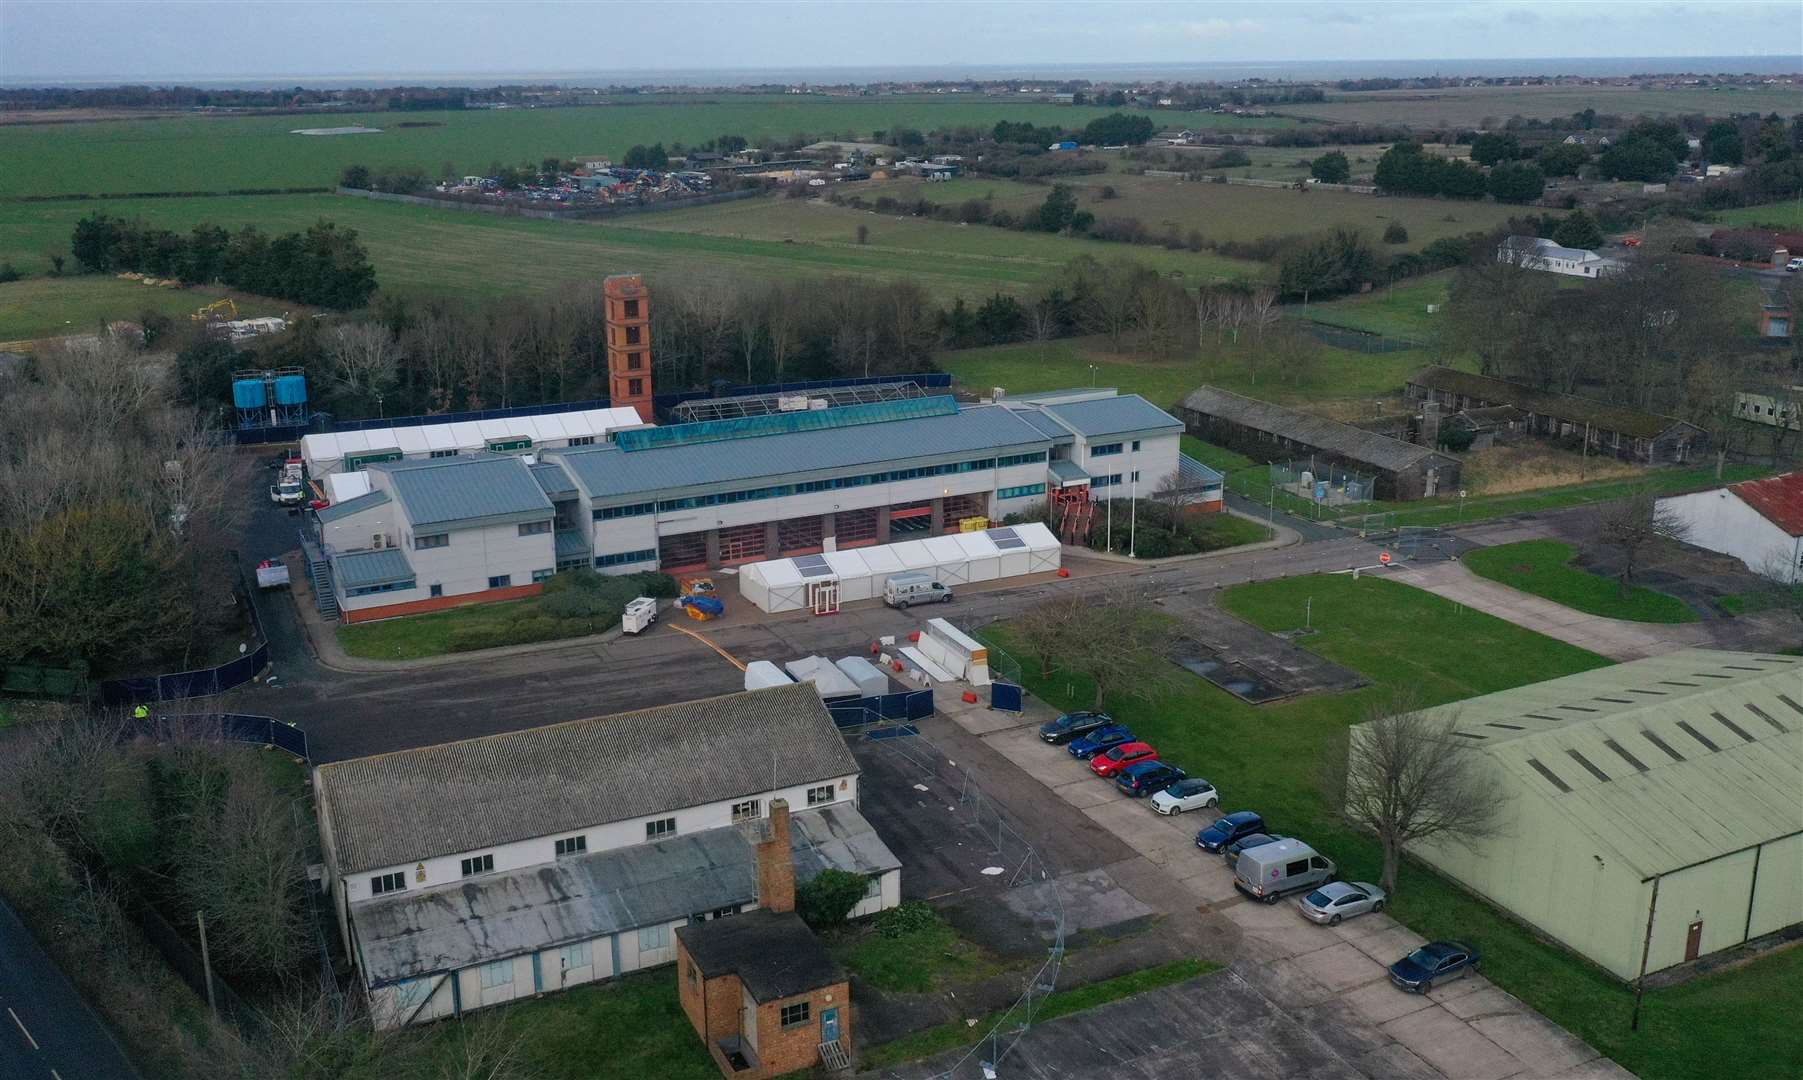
(1468, 106)
(1782, 215)
(480, 258)
(1220, 211)
(221, 153)
(1341, 375)
(1264, 758)
(1543, 568)
(43, 307)
(417, 636)
(1398, 311)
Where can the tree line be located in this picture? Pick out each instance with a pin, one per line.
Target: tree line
(325, 265)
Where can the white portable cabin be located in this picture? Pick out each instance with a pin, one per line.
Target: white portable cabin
(870, 678)
(762, 674)
(326, 452)
(776, 585)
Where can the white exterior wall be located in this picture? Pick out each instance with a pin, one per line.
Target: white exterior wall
(474, 555)
(606, 837)
(358, 532)
(1720, 521)
(623, 534)
(1155, 459)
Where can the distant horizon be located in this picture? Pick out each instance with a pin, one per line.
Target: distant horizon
(1319, 69)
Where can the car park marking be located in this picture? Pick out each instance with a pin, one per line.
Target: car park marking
(22, 1031)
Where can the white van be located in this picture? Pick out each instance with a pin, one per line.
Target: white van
(915, 588)
(1268, 871)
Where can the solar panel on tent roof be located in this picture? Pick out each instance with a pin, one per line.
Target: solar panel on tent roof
(812, 566)
(1006, 539)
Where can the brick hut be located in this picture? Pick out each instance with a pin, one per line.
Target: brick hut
(760, 988)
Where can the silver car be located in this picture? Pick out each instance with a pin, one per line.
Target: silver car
(1339, 900)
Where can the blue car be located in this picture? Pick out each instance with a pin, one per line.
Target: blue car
(1230, 828)
(1434, 962)
(1073, 725)
(1232, 851)
(1147, 778)
(1099, 740)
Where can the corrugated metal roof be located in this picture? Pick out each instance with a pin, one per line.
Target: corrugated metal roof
(357, 569)
(1050, 428)
(1067, 472)
(1779, 499)
(1668, 761)
(367, 501)
(1193, 473)
(1571, 407)
(493, 916)
(608, 472)
(569, 544)
(464, 796)
(443, 491)
(1354, 444)
(553, 480)
(1124, 415)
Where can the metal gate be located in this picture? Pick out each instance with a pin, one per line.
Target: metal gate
(1425, 543)
(1006, 697)
(823, 597)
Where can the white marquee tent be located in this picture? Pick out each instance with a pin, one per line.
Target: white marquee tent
(955, 559)
(325, 453)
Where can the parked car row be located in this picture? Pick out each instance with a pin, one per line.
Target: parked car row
(1266, 867)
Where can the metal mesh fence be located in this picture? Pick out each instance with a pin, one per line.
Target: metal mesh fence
(1323, 483)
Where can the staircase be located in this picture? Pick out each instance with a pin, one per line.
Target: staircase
(319, 574)
(1074, 525)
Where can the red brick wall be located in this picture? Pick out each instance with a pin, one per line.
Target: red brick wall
(786, 1051)
(440, 603)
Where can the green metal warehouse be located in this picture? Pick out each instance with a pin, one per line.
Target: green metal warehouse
(1653, 810)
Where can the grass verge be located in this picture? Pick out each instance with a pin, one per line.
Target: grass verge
(936, 1040)
(1543, 568)
(929, 955)
(1265, 757)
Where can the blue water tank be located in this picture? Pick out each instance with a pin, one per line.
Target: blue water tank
(248, 393)
(291, 390)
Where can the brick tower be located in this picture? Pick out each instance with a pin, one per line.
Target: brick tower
(628, 343)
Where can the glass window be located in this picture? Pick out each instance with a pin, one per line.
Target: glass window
(582, 440)
(796, 1015)
(442, 453)
(575, 956)
(625, 558)
(534, 528)
(410, 994)
(572, 845)
(662, 827)
(821, 795)
(387, 883)
(1136, 444)
(746, 811)
(654, 937)
(437, 589)
(436, 540)
(1104, 449)
(543, 575)
(500, 581)
(499, 973)
(478, 864)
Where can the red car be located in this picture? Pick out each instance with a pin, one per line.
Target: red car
(1110, 762)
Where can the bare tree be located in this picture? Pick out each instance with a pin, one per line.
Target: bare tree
(1046, 629)
(362, 359)
(1634, 528)
(1122, 642)
(484, 1047)
(1406, 777)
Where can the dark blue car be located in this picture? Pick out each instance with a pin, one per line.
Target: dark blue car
(1099, 740)
(1147, 777)
(1251, 840)
(1434, 962)
(1073, 725)
(1230, 828)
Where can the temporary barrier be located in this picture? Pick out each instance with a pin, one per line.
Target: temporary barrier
(903, 708)
(236, 727)
(1006, 697)
(955, 651)
(956, 559)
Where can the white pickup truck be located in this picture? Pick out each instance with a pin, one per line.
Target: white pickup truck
(290, 489)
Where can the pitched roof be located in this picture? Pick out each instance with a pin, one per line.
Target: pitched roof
(369, 500)
(1546, 403)
(358, 569)
(774, 956)
(552, 480)
(1668, 761)
(417, 932)
(1353, 444)
(1045, 425)
(1779, 499)
(1125, 415)
(410, 805)
(465, 490)
(609, 471)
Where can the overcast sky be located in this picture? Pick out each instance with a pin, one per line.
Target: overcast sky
(163, 39)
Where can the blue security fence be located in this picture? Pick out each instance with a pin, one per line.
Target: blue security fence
(177, 685)
(322, 422)
(1006, 697)
(235, 727)
(902, 708)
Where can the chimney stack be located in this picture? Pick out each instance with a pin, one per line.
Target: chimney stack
(1430, 424)
(776, 863)
(628, 316)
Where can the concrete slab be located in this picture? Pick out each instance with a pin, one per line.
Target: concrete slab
(1380, 1003)
(1082, 795)
(1092, 899)
(1600, 1069)
(1491, 1000)
(1341, 967)
(1365, 926)
(1544, 1047)
(1452, 1046)
(1396, 1062)
(1389, 946)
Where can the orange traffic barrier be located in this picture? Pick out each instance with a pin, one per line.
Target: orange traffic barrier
(970, 698)
(914, 636)
(896, 664)
(1062, 572)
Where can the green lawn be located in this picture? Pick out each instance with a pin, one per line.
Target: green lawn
(416, 636)
(1265, 758)
(47, 307)
(951, 1036)
(1399, 311)
(1340, 374)
(1543, 567)
(201, 153)
(1215, 457)
(1780, 215)
(914, 962)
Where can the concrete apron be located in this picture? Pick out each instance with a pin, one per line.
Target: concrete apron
(1334, 980)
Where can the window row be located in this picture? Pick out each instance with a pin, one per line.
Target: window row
(534, 528)
(1020, 459)
(837, 482)
(1021, 492)
(608, 513)
(625, 558)
(1104, 449)
(392, 586)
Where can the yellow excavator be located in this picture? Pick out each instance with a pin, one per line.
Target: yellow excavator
(219, 309)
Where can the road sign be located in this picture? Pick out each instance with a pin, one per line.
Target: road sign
(1383, 557)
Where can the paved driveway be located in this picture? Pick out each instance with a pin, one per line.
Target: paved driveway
(1333, 981)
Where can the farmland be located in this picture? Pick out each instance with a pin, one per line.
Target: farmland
(198, 153)
(1783, 215)
(480, 257)
(45, 307)
(1220, 211)
(1468, 106)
